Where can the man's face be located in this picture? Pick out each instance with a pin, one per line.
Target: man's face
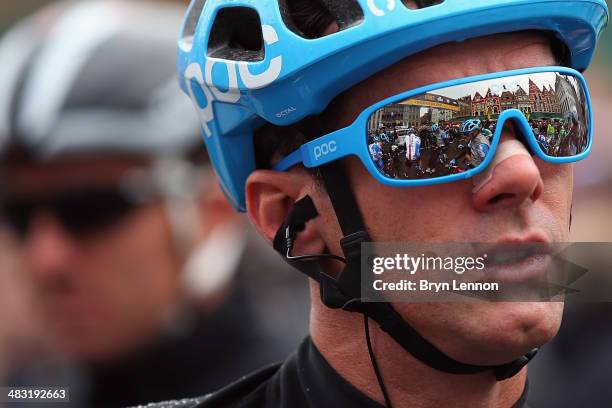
(478, 333)
(104, 292)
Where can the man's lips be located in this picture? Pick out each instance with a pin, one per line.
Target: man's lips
(517, 260)
(511, 254)
(74, 309)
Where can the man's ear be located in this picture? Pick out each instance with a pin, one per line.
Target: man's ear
(270, 195)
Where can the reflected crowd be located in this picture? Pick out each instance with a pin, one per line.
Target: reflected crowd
(436, 150)
(438, 134)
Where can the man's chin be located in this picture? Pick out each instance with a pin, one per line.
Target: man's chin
(518, 328)
(533, 323)
(489, 333)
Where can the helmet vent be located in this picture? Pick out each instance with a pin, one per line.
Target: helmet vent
(312, 19)
(419, 4)
(195, 10)
(236, 35)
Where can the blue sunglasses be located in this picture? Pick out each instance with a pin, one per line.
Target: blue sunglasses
(450, 131)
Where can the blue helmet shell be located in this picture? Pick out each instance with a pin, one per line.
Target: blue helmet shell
(470, 125)
(298, 77)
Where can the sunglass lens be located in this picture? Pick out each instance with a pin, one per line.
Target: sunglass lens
(84, 213)
(427, 136)
(79, 212)
(450, 130)
(17, 215)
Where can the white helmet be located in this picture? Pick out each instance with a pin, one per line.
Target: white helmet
(95, 76)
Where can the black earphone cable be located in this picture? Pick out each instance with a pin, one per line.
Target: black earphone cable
(381, 383)
(290, 240)
(289, 243)
(313, 257)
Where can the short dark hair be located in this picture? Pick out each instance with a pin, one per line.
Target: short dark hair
(312, 18)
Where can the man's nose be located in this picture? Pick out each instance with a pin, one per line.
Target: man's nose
(511, 179)
(49, 250)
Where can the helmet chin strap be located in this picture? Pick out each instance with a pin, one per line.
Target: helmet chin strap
(344, 291)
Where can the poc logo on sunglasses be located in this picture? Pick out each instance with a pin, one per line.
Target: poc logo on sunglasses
(325, 149)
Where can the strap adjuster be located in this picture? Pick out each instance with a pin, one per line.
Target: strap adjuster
(506, 371)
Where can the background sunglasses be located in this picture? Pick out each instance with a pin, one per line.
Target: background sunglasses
(450, 131)
(80, 213)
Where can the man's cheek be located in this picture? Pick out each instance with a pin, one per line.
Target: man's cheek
(558, 190)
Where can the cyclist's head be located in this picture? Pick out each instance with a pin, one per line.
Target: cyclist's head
(274, 108)
(102, 168)
(470, 126)
(425, 215)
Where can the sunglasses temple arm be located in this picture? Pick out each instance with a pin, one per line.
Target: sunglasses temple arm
(320, 151)
(289, 161)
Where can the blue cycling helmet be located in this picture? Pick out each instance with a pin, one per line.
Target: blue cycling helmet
(470, 125)
(274, 74)
(435, 127)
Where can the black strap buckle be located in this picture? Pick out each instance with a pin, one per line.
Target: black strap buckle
(506, 371)
(346, 290)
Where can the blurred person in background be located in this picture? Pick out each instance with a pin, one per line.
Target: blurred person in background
(135, 257)
(18, 325)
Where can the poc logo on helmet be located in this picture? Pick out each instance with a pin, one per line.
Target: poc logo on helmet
(209, 93)
(378, 12)
(325, 149)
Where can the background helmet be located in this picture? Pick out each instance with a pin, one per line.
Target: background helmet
(435, 127)
(247, 63)
(98, 77)
(470, 125)
(95, 77)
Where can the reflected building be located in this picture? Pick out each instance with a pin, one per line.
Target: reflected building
(522, 101)
(516, 100)
(492, 103)
(542, 100)
(478, 105)
(398, 114)
(417, 111)
(434, 108)
(566, 95)
(465, 106)
(537, 101)
(507, 100)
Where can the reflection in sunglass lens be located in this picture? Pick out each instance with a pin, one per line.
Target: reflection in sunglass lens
(450, 130)
(79, 212)
(564, 131)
